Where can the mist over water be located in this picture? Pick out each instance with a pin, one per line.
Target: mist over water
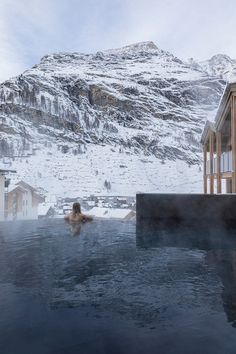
(114, 289)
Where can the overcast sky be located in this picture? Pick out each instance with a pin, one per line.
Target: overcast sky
(30, 29)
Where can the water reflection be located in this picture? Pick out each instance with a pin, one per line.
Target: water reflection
(217, 240)
(225, 263)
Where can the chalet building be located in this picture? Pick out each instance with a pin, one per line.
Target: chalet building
(3, 183)
(2, 194)
(22, 202)
(219, 146)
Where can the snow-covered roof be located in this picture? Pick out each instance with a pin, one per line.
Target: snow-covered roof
(91, 203)
(43, 208)
(4, 171)
(14, 187)
(230, 87)
(110, 213)
(209, 126)
(24, 187)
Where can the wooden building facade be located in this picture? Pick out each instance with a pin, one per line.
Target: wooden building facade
(3, 184)
(22, 202)
(219, 146)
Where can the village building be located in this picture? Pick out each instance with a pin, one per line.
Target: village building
(219, 146)
(22, 202)
(3, 183)
(46, 210)
(2, 195)
(91, 203)
(112, 213)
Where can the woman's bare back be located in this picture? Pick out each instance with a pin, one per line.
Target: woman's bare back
(76, 216)
(72, 217)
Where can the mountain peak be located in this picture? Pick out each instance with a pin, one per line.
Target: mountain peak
(220, 65)
(147, 46)
(136, 47)
(220, 57)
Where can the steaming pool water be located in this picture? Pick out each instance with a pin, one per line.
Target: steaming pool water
(106, 289)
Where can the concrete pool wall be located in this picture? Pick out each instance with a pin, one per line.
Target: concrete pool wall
(185, 207)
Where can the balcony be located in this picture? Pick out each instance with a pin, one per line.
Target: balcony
(225, 163)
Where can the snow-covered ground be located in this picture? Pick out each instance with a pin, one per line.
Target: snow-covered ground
(67, 175)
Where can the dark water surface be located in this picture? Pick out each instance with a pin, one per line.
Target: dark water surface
(109, 290)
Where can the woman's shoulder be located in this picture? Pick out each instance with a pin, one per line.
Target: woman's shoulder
(78, 217)
(67, 216)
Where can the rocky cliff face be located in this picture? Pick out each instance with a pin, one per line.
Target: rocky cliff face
(137, 101)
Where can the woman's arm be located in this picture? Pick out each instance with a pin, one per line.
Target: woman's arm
(86, 218)
(67, 217)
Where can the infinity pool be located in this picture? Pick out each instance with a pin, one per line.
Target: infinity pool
(104, 289)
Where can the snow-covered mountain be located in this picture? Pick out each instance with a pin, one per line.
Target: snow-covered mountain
(219, 65)
(131, 116)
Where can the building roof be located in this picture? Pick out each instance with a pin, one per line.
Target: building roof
(209, 126)
(229, 88)
(25, 185)
(44, 208)
(110, 213)
(13, 188)
(4, 171)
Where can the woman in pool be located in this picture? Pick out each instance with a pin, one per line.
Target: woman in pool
(76, 216)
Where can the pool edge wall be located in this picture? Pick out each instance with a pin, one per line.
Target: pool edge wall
(185, 207)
